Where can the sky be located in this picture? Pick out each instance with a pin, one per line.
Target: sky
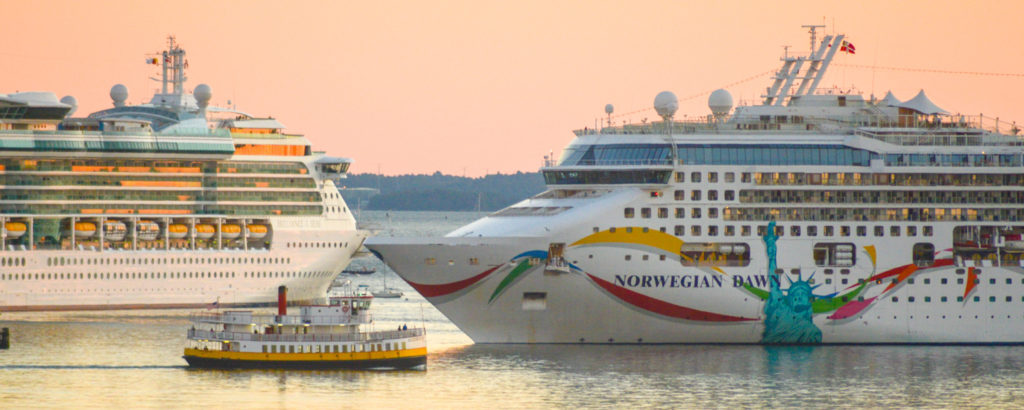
(480, 87)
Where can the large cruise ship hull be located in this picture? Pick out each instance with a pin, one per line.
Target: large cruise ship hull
(510, 294)
(305, 260)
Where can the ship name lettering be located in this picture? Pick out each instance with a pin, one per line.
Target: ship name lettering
(668, 281)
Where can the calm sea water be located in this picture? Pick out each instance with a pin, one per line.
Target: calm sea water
(132, 359)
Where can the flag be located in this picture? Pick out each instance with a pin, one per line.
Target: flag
(152, 61)
(848, 47)
(214, 305)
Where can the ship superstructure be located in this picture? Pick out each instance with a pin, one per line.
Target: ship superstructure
(168, 204)
(814, 217)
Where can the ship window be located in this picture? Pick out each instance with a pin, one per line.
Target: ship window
(695, 230)
(894, 231)
(712, 195)
(712, 177)
(794, 230)
(730, 195)
(911, 231)
(629, 257)
(944, 281)
(927, 231)
(695, 213)
(680, 177)
(942, 299)
(712, 212)
(862, 231)
(834, 254)
(730, 230)
(745, 177)
(680, 213)
(695, 195)
(680, 195)
(628, 213)
(645, 212)
(645, 257)
(812, 231)
(895, 299)
(730, 177)
(959, 281)
(714, 254)
(712, 230)
(662, 212)
(431, 261)
(695, 177)
(879, 230)
(680, 230)
(745, 230)
(924, 254)
(844, 231)
(991, 281)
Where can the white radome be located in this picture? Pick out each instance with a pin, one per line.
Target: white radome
(119, 93)
(666, 104)
(720, 102)
(608, 109)
(72, 101)
(203, 93)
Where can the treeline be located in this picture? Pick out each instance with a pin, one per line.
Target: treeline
(439, 192)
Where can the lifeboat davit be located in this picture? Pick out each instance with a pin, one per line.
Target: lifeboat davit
(14, 229)
(257, 231)
(147, 230)
(205, 231)
(230, 231)
(114, 230)
(177, 231)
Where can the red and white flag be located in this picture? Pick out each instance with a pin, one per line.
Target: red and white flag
(848, 47)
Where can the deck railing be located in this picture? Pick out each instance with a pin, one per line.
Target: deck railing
(200, 334)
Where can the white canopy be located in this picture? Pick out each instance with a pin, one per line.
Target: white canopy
(890, 100)
(923, 105)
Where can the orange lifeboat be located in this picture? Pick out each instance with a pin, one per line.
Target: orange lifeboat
(14, 229)
(230, 231)
(205, 231)
(177, 231)
(257, 231)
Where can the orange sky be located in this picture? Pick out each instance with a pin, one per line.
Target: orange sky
(480, 87)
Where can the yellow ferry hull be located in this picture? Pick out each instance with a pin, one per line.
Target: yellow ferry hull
(215, 359)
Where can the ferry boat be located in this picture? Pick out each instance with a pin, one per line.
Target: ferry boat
(173, 203)
(318, 337)
(813, 217)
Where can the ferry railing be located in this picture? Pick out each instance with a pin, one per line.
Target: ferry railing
(306, 337)
(240, 318)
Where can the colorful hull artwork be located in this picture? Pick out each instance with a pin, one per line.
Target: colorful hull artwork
(793, 308)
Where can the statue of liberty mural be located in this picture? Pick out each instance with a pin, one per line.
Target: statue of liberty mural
(788, 316)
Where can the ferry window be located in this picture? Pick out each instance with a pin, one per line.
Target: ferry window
(680, 177)
(695, 177)
(712, 212)
(662, 212)
(924, 254)
(794, 230)
(879, 230)
(911, 231)
(894, 231)
(680, 213)
(695, 195)
(730, 230)
(745, 230)
(645, 212)
(812, 231)
(730, 177)
(730, 195)
(628, 257)
(712, 195)
(695, 230)
(745, 177)
(712, 231)
(927, 231)
(695, 213)
(628, 213)
(862, 231)
(680, 230)
(680, 195)
(712, 177)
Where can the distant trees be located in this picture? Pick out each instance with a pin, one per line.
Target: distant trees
(438, 192)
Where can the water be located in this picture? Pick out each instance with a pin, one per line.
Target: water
(133, 360)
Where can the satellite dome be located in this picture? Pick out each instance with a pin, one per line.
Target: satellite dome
(666, 104)
(203, 93)
(720, 102)
(70, 100)
(608, 109)
(119, 93)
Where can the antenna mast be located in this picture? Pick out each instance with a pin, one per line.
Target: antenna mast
(173, 61)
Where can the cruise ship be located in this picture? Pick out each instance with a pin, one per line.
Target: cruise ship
(813, 217)
(173, 203)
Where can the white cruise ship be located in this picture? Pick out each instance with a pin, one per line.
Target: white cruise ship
(814, 217)
(173, 203)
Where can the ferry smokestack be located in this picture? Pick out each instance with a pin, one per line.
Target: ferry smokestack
(282, 300)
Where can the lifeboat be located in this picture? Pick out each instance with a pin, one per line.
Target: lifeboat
(257, 231)
(177, 231)
(1013, 242)
(114, 230)
(230, 231)
(205, 231)
(84, 229)
(14, 229)
(147, 230)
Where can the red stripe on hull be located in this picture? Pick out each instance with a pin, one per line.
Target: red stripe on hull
(429, 291)
(662, 307)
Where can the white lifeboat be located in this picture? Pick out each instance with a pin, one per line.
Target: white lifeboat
(205, 231)
(230, 231)
(147, 230)
(177, 231)
(14, 229)
(114, 230)
(257, 231)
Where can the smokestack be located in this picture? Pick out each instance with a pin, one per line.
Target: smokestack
(282, 300)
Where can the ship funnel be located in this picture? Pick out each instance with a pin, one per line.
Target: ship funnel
(282, 300)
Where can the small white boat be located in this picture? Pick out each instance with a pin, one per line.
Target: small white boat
(386, 292)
